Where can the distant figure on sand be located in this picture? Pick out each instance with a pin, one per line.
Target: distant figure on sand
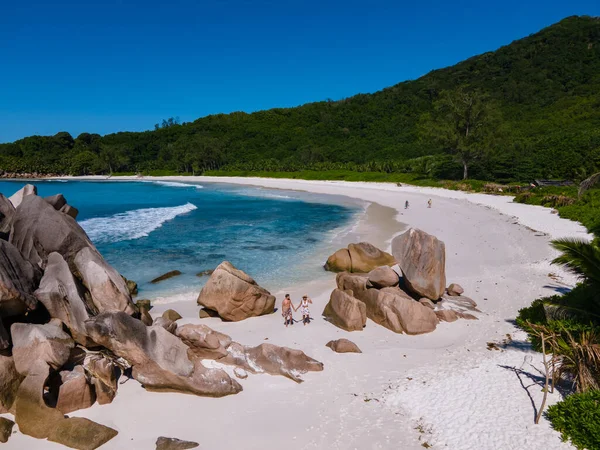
(406, 204)
(429, 203)
(286, 310)
(304, 309)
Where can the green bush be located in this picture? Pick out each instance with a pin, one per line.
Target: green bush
(577, 418)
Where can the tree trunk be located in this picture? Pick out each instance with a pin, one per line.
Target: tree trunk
(465, 170)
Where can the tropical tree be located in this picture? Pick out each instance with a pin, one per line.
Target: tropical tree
(463, 123)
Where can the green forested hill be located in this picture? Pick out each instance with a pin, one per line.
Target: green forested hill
(545, 90)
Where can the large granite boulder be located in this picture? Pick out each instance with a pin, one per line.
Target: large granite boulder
(235, 295)
(357, 283)
(398, 312)
(383, 276)
(107, 288)
(422, 259)
(57, 201)
(81, 433)
(33, 344)
(74, 392)
(64, 298)
(345, 311)
(18, 280)
(10, 381)
(271, 359)
(203, 341)
(158, 358)
(33, 416)
(17, 198)
(7, 211)
(343, 346)
(362, 258)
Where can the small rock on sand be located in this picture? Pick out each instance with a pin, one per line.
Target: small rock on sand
(165, 443)
(6, 427)
(171, 314)
(166, 276)
(343, 346)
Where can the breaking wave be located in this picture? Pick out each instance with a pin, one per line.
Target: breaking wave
(177, 184)
(131, 224)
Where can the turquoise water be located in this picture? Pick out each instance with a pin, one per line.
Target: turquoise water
(145, 229)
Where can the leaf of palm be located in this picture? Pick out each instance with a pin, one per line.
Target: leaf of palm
(580, 257)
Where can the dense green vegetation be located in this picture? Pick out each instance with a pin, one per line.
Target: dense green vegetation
(541, 96)
(577, 418)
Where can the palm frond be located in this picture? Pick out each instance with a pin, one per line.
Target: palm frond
(588, 183)
(579, 257)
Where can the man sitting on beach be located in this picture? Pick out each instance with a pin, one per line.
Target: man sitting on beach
(286, 310)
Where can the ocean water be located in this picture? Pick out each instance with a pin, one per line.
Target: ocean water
(147, 228)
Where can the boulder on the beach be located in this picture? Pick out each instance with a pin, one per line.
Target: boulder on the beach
(104, 376)
(234, 295)
(343, 346)
(398, 312)
(7, 211)
(6, 426)
(64, 297)
(339, 262)
(132, 286)
(205, 313)
(203, 341)
(17, 198)
(33, 344)
(74, 392)
(271, 359)
(455, 290)
(144, 303)
(171, 314)
(81, 433)
(158, 358)
(165, 323)
(18, 280)
(357, 283)
(165, 443)
(107, 288)
(360, 258)
(446, 315)
(422, 259)
(10, 380)
(57, 201)
(426, 302)
(33, 416)
(383, 276)
(345, 311)
(145, 317)
(166, 276)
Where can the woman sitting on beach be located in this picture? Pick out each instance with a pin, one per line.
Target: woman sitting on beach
(304, 309)
(286, 310)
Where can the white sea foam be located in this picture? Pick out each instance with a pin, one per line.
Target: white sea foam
(177, 184)
(131, 224)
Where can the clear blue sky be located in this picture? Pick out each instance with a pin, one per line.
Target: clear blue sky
(113, 65)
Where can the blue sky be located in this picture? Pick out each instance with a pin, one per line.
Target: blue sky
(114, 65)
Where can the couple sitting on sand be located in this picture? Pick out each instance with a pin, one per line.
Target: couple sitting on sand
(286, 309)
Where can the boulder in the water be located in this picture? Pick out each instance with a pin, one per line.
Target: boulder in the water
(166, 276)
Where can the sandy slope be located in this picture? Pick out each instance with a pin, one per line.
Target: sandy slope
(444, 388)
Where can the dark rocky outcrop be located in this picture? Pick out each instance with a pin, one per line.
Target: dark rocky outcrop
(234, 295)
(10, 380)
(166, 276)
(6, 427)
(422, 260)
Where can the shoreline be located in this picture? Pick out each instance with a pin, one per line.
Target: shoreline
(402, 391)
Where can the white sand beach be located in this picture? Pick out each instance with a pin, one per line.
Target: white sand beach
(444, 389)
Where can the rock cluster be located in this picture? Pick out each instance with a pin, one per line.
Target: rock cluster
(74, 329)
(414, 303)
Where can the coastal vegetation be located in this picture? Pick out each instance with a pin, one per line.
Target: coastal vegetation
(567, 328)
(531, 108)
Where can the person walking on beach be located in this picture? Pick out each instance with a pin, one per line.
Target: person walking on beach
(286, 310)
(429, 203)
(304, 309)
(406, 204)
